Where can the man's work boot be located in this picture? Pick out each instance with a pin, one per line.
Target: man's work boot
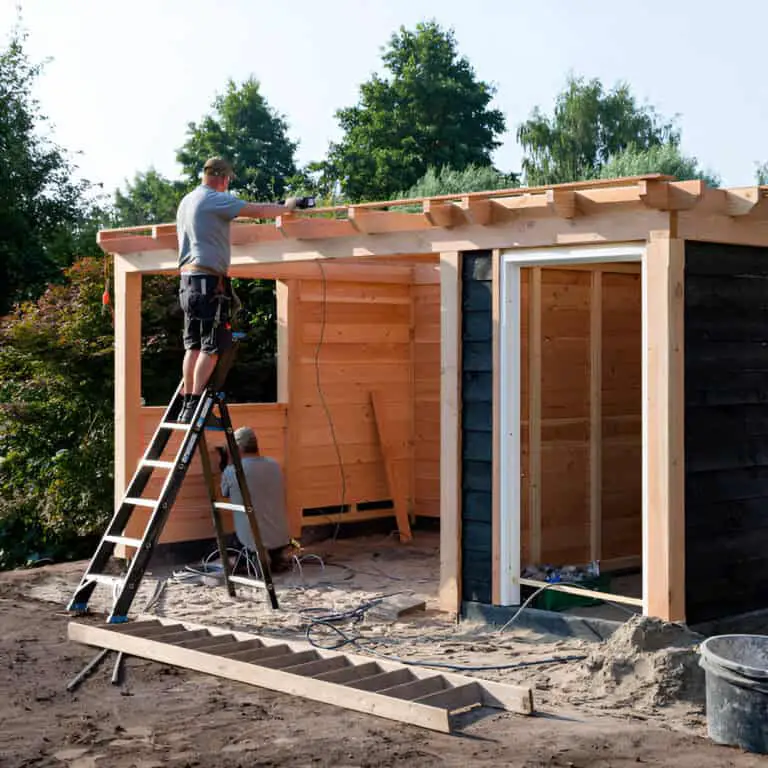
(188, 411)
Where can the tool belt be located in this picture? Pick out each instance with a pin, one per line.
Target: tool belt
(218, 289)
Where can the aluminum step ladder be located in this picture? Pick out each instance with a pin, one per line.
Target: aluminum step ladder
(127, 584)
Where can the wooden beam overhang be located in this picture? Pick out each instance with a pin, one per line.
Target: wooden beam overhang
(738, 216)
(614, 210)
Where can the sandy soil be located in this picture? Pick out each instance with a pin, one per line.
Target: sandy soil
(637, 698)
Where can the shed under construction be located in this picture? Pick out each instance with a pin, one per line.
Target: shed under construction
(561, 375)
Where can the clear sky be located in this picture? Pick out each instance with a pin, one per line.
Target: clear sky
(127, 76)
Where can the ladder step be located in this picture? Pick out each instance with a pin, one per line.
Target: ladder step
(104, 578)
(124, 540)
(223, 505)
(158, 464)
(175, 425)
(137, 502)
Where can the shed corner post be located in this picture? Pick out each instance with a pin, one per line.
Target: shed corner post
(663, 417)
(450, 438)
(127, 375)
(287, 299)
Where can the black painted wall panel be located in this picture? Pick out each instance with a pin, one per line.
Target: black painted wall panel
(476, 426)
(726, 430)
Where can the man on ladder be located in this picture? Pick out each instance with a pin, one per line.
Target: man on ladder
(203, 223)
(205, 289)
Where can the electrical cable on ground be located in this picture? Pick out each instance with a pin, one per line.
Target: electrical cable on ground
(329, 620)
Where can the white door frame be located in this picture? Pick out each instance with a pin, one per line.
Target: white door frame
(509, 354)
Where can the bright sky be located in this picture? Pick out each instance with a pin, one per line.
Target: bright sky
(126, 77)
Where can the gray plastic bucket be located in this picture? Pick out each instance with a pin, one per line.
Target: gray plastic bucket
(736, 668)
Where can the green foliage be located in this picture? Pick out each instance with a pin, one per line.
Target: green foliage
(449, 181)
(251, 135)
(254, 377)
(761, 173)
(56, 417)
(431, 110)
(666, 159)
(587, 128)
(149, 199)
(44, 215)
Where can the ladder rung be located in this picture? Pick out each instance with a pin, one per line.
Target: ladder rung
(125, 540)
(104, 578)
(175, 425)
(223, 505)
(158, 464)
(137, 502)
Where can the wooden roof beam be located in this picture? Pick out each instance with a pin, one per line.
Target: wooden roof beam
(441, 213)
(372, 222)
(290, 225)
(671, 195)
(743, 202)
(596, 200)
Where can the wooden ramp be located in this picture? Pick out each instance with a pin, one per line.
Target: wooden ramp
(387, 689)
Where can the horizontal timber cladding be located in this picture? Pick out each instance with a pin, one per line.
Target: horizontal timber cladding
(347, 341)
(476, 425)
(726, 430)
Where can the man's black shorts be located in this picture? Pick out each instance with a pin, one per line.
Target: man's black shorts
(206, 301)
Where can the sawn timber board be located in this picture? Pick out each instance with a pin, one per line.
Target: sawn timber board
(419, 696)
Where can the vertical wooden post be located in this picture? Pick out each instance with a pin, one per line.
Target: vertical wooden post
(595, 413)
(496, 465)
(288, 321)
(412, 397)
(283, 341)
(534, 414)
(127, 380)
(450, 435)
(663, 425)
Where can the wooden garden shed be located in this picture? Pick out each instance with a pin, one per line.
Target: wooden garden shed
(561, 375)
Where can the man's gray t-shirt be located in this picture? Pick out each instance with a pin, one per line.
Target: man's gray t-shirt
(202, 225)
(265, 485)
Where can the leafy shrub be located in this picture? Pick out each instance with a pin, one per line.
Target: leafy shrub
(56, 417)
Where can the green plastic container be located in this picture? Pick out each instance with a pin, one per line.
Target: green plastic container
(553, 600)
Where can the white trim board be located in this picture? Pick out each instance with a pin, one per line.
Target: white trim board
(509, 356)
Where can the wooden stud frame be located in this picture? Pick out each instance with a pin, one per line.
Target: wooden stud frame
(509, 535)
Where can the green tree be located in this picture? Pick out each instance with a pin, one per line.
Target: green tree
(149, 199)
(448, 181)
(56, 416)
(666, 159)
(429, 111)
(761, 173)
(44, 213)
(250, 134)
(589, 125)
